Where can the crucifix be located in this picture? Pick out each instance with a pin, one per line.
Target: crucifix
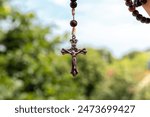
(136, 3)
(73, 51)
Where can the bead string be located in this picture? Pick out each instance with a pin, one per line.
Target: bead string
(132, 8)
(73, 22)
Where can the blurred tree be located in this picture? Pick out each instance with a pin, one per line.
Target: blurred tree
(25, 55)
(132, 55)
(31, 69)
(106, 55)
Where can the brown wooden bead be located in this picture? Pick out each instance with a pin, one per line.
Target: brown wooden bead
(131, 8)
(73, 23)
(143, 19)
(128, 3)
(147, 20)
(135, 13)
(139, 17)
(73, 0)
(73, 4)
(137, 3)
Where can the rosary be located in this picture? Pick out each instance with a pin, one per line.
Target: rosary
(132, 8)
(73, 51)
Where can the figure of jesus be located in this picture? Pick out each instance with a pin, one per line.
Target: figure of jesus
(74, 54)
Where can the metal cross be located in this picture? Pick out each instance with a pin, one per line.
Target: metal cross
(73, 51)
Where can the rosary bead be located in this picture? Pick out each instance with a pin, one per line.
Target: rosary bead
(131, 8)
(137, 3)
(147, 20)
(143, 19)
(73, 23)
(139, 17)
(73, 0)
(128, 3)
(143, 1)
(135, 13)
(73, 4)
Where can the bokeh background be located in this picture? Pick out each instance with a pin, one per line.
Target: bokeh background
(32, 33)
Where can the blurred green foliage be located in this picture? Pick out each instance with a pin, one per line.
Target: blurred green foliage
(31, 68)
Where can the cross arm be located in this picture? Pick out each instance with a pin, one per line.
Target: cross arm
(65, 51)
(82, 51)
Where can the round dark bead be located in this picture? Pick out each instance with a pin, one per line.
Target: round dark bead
(147, 20)
(143, 19)
(128, 0)
(73, 0)
(131, 8)
(73, 23)
(143, 1)
(135, 13)
(139, 17)
(73, 4)
(128, 3)
(137, 3)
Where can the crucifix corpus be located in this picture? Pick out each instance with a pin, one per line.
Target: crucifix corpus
(132, 6)
(73, 51)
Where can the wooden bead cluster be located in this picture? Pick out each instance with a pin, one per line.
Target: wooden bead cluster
(132, 8)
